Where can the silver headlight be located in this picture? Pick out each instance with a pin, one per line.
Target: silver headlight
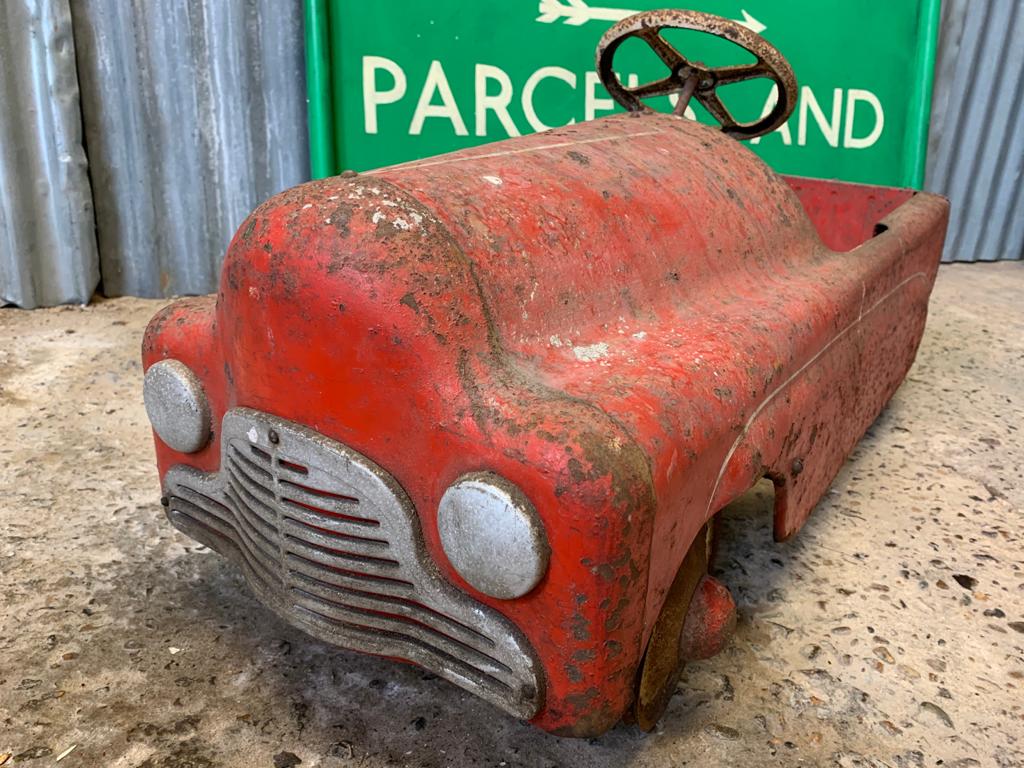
(492, 535)
(177, 406)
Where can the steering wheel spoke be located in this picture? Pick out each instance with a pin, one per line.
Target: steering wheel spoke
(672, 58)
(710, 101)
(662, 87)
(693, 80)
(740, 73)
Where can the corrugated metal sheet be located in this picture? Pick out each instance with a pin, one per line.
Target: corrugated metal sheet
(976, 146)
(47, 245)
(194, 113)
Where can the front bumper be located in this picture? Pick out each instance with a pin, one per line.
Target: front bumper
(331, 543)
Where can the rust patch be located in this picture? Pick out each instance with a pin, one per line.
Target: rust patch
(579, 626)
(592, 719)
(573, 673)
(613, 648)
(614, 619)
(340, 218)
(410, 301)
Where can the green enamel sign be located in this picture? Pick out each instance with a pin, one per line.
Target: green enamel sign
(396, 80)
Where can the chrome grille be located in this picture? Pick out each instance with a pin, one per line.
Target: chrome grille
(330, 542)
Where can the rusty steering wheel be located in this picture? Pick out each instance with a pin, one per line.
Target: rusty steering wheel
(692, 79)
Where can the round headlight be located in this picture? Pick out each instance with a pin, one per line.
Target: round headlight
(177, 406)
(492, 535)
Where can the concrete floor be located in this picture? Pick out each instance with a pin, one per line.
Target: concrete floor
(889, 632)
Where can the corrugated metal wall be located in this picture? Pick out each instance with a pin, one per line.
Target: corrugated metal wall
(976, 145)
(47, 243)
(194, 111)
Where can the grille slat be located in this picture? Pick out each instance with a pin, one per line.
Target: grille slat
(261, 512)
(399, 606)
(330, 542)
(208, 505)
(256, 539)
(251, 516)
(259, 568)
(426, 652)
(203, 515)
(255, 512)
(257, 462)
(343, 579)
(324, 504)
(260, 467)
(250, 484)
(375, 618)
(334, 533)
(340, 559)
(347, 524)
(351, 544)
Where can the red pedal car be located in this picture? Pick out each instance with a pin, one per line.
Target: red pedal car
(477, 412)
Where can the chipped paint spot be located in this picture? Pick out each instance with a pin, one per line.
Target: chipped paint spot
(495, 180)
(640, 335)
(253, 435)
(378, 216)
(591, 352)
(554, 341)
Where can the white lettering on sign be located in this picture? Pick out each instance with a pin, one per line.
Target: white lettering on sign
(437, 83)
(496, 103)
(852, 97)
(856, 119)
(829, 128)
(372, 98)
(769, 105)
(592, 102)
(560, 73)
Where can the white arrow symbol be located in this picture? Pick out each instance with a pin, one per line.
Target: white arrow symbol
(577, 12)
(751, 23)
